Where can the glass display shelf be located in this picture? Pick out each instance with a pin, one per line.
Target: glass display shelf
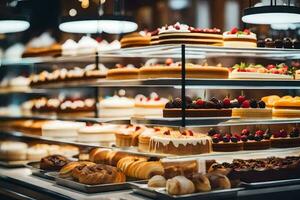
(176, 82)
(15, 90)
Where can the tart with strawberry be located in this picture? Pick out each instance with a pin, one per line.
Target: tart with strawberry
(227, 142)
(283, 139)
(256, 141)
(239, 39)
(149, 106)
(186, 142)
(252, 108)
(199, 108)
(170, 69)
(184, 34)
(257, 71)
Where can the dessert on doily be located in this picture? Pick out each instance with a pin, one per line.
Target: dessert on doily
(136, 39)
(116, 107)
(199, 108)
(180, 143)
(77, 107)
(239, 39)
(184, 34)
(170, 69)
(285, 139)
(286, 43)
(121, 72)
(149, 106)
(257, 71)
(128, 135)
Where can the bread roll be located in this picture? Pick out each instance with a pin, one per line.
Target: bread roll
(180, 185)
(218, 181)
(157, 181)
(201, 183)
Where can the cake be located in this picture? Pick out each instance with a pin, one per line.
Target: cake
(87, 45)
(121, 72)
(103, 134)
(227, 143)
(145, 136)
(239, 39)
(287, 107)
(128, 135)
(92, 71)
(13, 151)
(151, 69)
(270, 100)
(199, 108)
(69, 48)
(297, 74)
(180, 143)
(283, 139)
(77, 107)
(154, 37)
(184, 34)
(136, 39)
(61, 129)
(149, 106)
(44, 105)
(279, 43)
(250, 109)
(256, 141)
(257, 71)
(116, 107)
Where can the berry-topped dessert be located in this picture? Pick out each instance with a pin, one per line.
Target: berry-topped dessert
(250, 108)
(225, 142)
(180, 143)
(257, 71)
(136, 39)
(154, 37)
(286, 43)
(199, 108)
(170, 69)
(149, 106)
(184, 34)
(255, 140)
(239, 39)
(121, 72)
(285, 139)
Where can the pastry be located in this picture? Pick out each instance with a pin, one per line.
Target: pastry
(256, 141)
(13, 151)
(121, 72)
(36, 154)
(257, 71)
(287, 107)
(61, 129)
(283, 139)
(136, 39)
(239, 39)
(103, 134)
(270, 100)
(157, 181)
(184, 34)
(180, 185)
(218, 181)
(201, 183)
(87, 45)
(128, 135)
(116, 107)
(269, 43)
(180, 143)
(44, 105)
(185, 168)
(227, 143)
(67, 170)
(69, 48)
(93, 71)
(77, 107)
(169, 69)
(99, 155)
(199, 108)
(100, 174)
(53, 162)
(149, 106)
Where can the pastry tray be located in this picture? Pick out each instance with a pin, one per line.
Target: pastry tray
(36, 171)
(13, 164)
(160, 193)
(257, 185)
(70, 183)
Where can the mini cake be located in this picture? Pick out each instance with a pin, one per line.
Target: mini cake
(44, 105)
(199, 108)
(173, 70)
(136, 39)
(69, 48)
(184, 34)
(281, 139)
(239, 39)
(287, 107)
(251, 109)
(270, 100)
(116, 107)
(87, 45)
(77, 107)
(122, 72)
(61, 129)
(227, 143)
(256, 141)
(245, 71)
(13, 151)
(103, 134)
(185, 143)
(128, 135)
(279, 43)
(92, 71)
(149, 106)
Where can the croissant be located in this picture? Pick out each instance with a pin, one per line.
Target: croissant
(114, 157)
(157, 181)
(201, 182)
(180, 185)
(218, 181)
(101, 156)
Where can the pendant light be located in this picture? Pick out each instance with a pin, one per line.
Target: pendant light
(11, 23)
(112, 24)
(272, 14)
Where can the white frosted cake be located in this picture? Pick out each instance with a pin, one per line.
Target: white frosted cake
(239, 39)
(61, 129)
(116, 107)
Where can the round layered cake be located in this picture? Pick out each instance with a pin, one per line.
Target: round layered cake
(239, 39)
(61, 129)
(128, 136)
(116, 107)
(123, 72)
(136, 39)
(13, 151)
(149, 106)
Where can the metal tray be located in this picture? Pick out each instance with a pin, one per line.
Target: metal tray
(160, 193)
(13, 164)
(266, 184)
(36, 171)
(70, 183)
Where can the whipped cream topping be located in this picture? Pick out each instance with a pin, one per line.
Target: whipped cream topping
(154, 99)
(14, 52)
(229, 35)
(174, 28)
(76, 72)
(19, 81)
(69, 44)
(117, 102)
(87, 42)
(92, 67)
(97, 128)
(44, 40)
(53, 103)
(77, 104)
(61, 125)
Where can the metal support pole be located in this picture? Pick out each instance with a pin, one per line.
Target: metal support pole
(96, 92)
(183, 123)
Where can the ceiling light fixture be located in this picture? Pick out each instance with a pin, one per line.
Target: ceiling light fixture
(272, 14)
(112, 24)
(12, 24)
